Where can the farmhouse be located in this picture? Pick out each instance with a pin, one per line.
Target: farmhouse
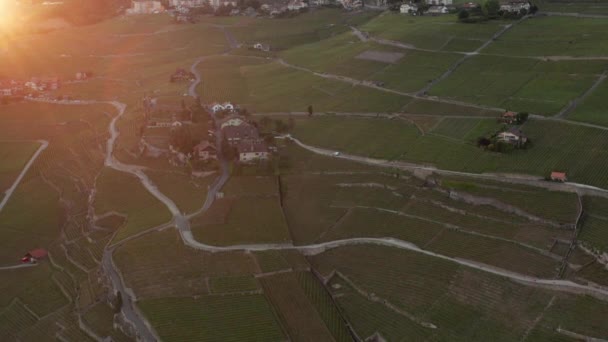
(252, 150)
(508, 117)
(145, 7)
(296, 5)
(408, 8)
(439, 2)
(437, 10)
(205, 151)
(187, 3)
(34, 255)
(558, 176)
(235, 134)
(512, 136)
(514, 5)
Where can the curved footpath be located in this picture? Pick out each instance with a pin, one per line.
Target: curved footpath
(182, 222)
(9, 192)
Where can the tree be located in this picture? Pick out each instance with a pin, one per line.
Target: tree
(521, 117)
(491, 8)
(463, 15)
(280, 126)
(310, 110)
(181, 139)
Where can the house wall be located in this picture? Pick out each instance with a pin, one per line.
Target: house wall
(252, 156)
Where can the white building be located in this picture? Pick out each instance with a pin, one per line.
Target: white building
(440, 2)
(145, 7)
(232, 120)
(296, 5)
(408, 8)
(438, 10)
(252, 151)
(514, 5)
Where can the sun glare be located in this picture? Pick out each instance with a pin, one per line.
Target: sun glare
(7, 12)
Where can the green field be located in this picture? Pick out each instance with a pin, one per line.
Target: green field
(14, 156)
(556, 146)
(339, 55)
(213, 318)
(443, 33)
(187, 192)
(306, 28)
(518, 84)
(251, 220)
(264, 86)
(554, 36)
(160, 265)
(123, 193)
(592, 108)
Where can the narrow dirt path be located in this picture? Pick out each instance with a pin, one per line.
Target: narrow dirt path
(8, 193)
(574, 103)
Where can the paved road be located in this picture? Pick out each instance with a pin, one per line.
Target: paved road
(14, 267)
(8, 193)
(511, 178)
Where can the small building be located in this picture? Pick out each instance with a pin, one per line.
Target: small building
(221, 107)
(145, 7)
(34, 255)
(408, 8)
(470, 5)
(235, 134)
(261, 47)
(205, 151)
(440, 2)
(81, 76)
(508, 117)
(514, 6)
(252, 150)
(296, 5)
(440, 9)
(513, 136)
(558, 176)
(182, 75)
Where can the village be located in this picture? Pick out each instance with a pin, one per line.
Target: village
(36, 87)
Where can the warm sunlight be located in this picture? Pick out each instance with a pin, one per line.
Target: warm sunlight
(7, 13)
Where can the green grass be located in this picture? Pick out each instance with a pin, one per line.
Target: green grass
(556, 147)
(160, 265)
(251, 186)
(459, 128)
(338, 55)
(14, 156)
(264, 86)
(429, 32)
(297, 314)
(594, 233)
(516, 84)
(559, 206)
(306, 28)
(101, 317)
(233, 284)
(444, 109)
(554, 36)
(213, 318)
(592, 108)
(187, 192)
(271, 261)
(251, 220)
(123, 193)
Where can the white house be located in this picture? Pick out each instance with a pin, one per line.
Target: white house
(145, 7)
(252, 150)
(261, 47)
(514, 5)
(512, 136)
(440, 2)
(408, 8)
(296, 5)
(438, 10)
(219, 107)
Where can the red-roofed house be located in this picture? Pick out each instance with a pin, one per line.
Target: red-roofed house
(558, 176)
(205, 151)
(509, 117)
(34, 255)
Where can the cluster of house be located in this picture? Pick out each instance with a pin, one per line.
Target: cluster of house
(182, 75)
(434, 7)
(14, 88)
(245, 139)
(513, 135)
(34, 255)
